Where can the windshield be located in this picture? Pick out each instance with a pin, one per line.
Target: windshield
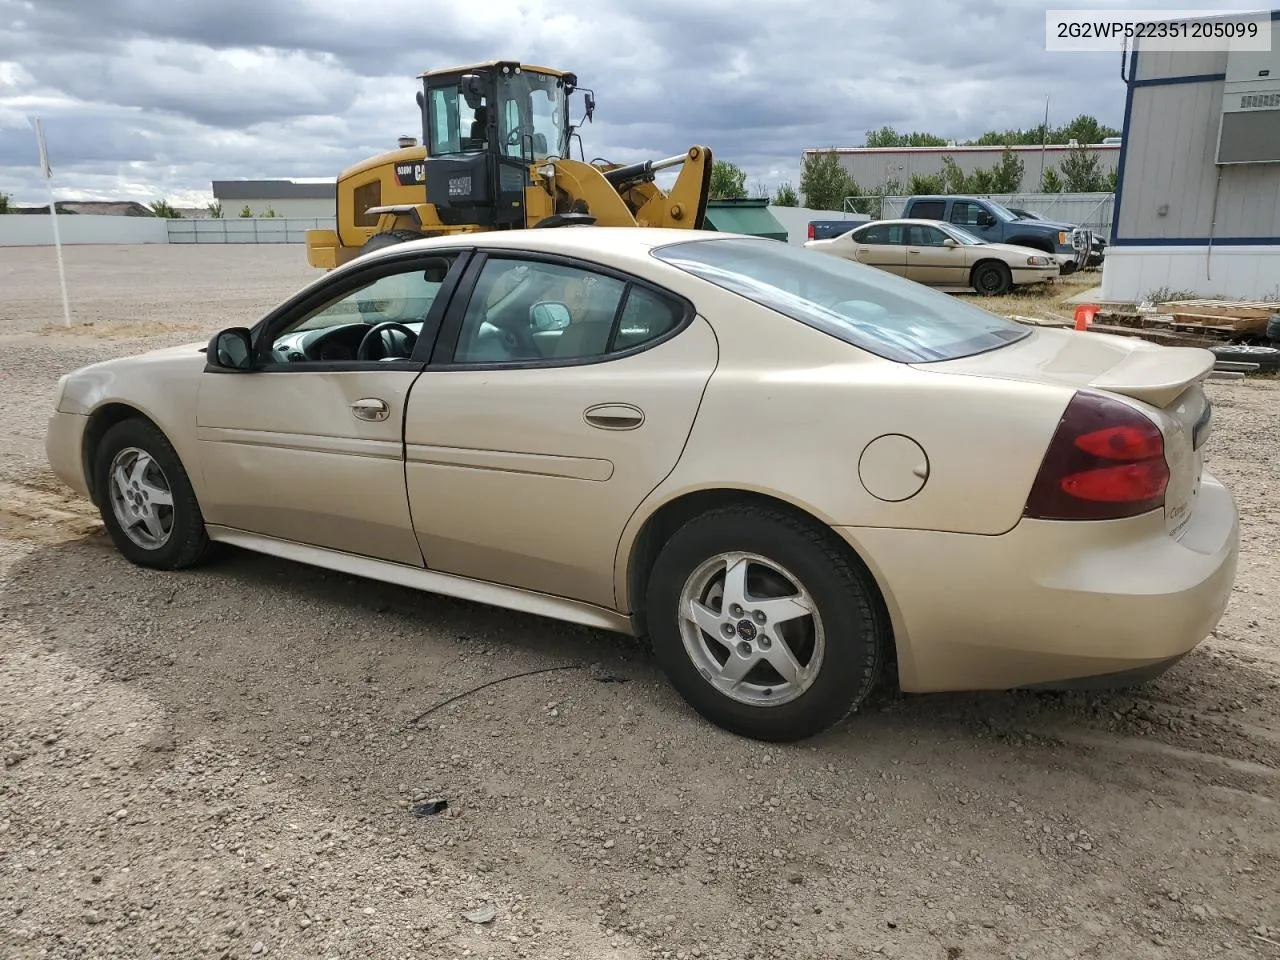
(1000, 210)
(887, 315)
(964, 236)
(532, 116)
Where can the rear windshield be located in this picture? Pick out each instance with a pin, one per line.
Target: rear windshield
(884, 314)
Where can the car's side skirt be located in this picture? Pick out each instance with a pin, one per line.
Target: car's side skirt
(429, 581)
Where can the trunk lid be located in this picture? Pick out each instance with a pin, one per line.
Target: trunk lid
(1169, 379)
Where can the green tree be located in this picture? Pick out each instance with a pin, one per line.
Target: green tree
(215, 209)
(245, 212)
(1051, 183)
(5, 200)
(921, 183)
(824, 182)
(786, 196)
(1109, 181)
(162, 208)
(1083, 128)
(728, 181)
(954, 179)
(1007, 174)
(1080, 171)
(888, 137)
(270, 214)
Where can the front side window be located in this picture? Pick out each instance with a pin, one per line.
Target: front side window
(966, 213)
(874, 310)
(335, 330)
(920, 235)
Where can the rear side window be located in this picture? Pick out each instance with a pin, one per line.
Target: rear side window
(928, 209)
(872, 309)
(645, 317)
(880, 234)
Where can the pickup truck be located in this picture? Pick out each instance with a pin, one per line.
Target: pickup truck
(1068, 244)
(826, 229)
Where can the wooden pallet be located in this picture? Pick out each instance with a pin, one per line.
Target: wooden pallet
(1165, 337)
(1227, 316)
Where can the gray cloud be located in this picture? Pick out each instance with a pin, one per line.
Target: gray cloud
(144, 99)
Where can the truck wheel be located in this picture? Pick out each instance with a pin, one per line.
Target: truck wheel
(991, 278)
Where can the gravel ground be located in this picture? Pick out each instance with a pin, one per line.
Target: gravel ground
(230, 763)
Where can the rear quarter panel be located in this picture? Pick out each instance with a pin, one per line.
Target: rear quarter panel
(790, 410)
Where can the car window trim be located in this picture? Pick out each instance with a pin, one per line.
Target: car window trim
(451, 328)
(309, 299)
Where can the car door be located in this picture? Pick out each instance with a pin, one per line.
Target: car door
(977, 219)
(307, 445)
(559, 396)
(930, 260)
(880, 245)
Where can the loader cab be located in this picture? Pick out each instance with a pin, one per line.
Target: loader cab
(484, 127)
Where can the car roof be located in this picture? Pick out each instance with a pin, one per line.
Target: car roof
(590, 241)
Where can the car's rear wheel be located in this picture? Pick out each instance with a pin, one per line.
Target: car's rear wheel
(145, 498)
(764, 624)
(992, 278)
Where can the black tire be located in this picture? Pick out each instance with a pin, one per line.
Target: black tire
(991, 278)
(389, 239)
(1267, 358)
(187, 543)
(855, 625)
(1273, 328)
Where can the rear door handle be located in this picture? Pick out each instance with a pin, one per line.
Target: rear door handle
(614, 416)
(371, 408)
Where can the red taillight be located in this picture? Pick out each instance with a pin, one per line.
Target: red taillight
(1106, 461)
(811, 231)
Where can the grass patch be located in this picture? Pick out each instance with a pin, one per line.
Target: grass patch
(1042, 300)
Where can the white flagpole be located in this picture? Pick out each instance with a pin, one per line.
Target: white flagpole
(53, 218)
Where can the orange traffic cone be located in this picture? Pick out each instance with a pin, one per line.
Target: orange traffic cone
(1085, 313)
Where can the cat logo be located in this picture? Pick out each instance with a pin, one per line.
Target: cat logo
(411, 173)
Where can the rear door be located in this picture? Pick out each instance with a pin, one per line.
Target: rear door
(880, 245)
(559, 396)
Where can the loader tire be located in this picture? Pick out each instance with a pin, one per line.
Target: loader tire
(388, 239)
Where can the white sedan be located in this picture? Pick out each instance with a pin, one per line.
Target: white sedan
(786, 469)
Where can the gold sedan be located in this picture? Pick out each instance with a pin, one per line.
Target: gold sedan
(941, 255)
(787, 470)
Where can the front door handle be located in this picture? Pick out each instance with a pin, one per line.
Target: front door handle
(614, 416)
(371, 408)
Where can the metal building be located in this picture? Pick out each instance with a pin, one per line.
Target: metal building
(1197, 204)
(873, 167)
(286, 198)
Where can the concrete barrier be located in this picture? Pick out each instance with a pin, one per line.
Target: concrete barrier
(35, 229)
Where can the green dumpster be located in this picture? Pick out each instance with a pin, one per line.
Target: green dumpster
(750, 215)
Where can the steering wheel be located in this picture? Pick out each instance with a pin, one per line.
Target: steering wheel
(374, 336)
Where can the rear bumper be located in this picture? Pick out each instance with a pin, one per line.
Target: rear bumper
(1053, 603)
(63, 446)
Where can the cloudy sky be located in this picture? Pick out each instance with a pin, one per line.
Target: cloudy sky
(143, 99)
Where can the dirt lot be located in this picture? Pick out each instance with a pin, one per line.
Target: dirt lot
(224, 763)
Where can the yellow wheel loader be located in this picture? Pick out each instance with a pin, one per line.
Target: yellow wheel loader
(495, 156)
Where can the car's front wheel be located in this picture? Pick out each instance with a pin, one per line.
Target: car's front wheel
(145, 498)
(763, 624)
(992, 278)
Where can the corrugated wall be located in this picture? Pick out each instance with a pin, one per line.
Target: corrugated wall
(1170, 178)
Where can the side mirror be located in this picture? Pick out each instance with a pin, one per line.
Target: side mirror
(422, 101)
(547, 315)
(231, 349)
(950, 242)
(590, 99)
(986, 220)
(472, 90)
